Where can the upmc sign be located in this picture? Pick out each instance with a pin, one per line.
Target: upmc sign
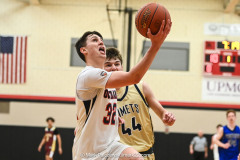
(219, 89)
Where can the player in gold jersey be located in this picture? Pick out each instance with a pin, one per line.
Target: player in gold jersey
(133, 106)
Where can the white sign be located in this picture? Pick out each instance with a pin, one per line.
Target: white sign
(222, 29)
(219, 89)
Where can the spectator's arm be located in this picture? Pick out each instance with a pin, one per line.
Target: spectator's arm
(206, 152)
(191, 149)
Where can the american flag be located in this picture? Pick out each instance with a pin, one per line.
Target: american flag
(13, 56)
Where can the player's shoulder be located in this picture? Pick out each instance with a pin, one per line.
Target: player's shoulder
(86, 70)
(225, 129)
(196, 138)
(138, 86)
(91, 71)
(53, 129)
(238, 128)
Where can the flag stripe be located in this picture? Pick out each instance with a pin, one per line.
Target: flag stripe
(14, 58)
(16, 62)
(5, 68)
(17, 59)
(25, 59)
(12, 67)
(20, 61)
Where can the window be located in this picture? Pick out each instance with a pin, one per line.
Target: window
(4, 107)
(76, 60)
(171, 56)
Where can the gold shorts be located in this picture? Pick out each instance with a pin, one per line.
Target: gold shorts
(149, 157)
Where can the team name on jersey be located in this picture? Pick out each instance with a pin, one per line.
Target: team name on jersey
(127, 109)
(110, 94)
(233, 136)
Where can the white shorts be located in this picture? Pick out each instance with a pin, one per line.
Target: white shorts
(113, 152)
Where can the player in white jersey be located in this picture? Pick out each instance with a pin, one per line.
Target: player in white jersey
(214, 146)
(96, 134)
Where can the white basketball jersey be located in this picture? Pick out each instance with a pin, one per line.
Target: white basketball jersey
(97, 121)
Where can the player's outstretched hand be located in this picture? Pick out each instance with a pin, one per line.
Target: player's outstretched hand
(168, 118)
(239, 157)
(158, 39)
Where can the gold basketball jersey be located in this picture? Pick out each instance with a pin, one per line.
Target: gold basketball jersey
(137, 131)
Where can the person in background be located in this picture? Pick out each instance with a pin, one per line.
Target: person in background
(198, 147)
(227, 138)
(214, 146)
(49, 139)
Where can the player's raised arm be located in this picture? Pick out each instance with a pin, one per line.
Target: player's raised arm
(120, 79)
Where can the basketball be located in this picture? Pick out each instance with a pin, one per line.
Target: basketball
(151, 16)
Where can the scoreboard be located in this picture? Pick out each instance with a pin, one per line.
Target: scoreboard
(222, 58)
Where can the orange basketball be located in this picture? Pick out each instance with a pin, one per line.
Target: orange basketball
(151, 16)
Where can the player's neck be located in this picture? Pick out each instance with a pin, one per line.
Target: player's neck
(95, 64)
(231, 125)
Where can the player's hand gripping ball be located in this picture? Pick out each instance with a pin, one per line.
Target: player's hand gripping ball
(151, 16)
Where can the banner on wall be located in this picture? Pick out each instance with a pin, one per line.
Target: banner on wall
(222, 29)
(221, 89)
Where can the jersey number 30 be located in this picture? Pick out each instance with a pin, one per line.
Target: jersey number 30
(111, 113)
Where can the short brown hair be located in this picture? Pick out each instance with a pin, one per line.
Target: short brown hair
(229, 111)
(113, 53)
(82, 42)
(219, 125)
(50, 119)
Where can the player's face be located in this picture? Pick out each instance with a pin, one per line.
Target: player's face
(50, 123)
(95, 47)
(113, 64)
(231, 117)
